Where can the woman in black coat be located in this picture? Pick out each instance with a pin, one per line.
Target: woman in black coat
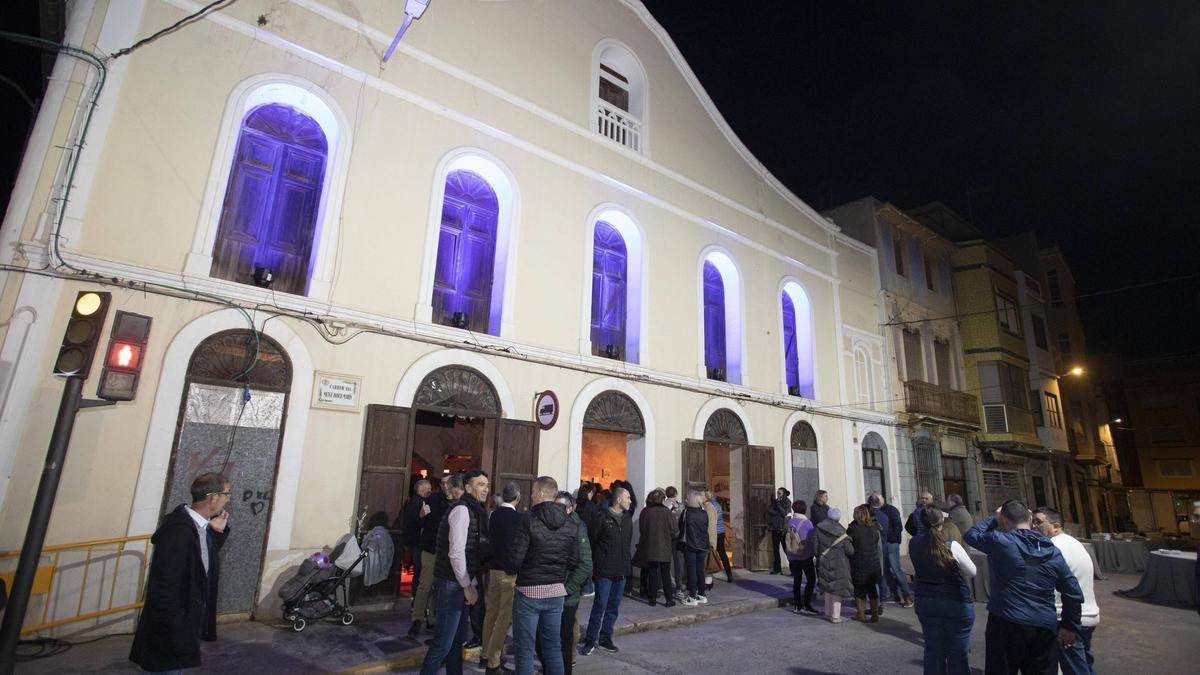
(866, 562)
(777, 515)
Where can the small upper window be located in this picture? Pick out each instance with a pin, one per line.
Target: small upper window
(898, 254)
(619, 96)
(1006, 312)
(929, 282)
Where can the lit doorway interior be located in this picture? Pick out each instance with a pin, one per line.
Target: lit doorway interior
(613, 441)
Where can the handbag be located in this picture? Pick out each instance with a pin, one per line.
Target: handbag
(712, 563)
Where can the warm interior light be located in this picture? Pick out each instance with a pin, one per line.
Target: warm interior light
(87, 304)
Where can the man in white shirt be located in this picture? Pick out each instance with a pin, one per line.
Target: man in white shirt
(1078, 658)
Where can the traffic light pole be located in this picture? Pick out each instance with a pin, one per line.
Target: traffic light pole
(39, 520)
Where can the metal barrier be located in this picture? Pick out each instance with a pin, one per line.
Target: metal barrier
(49, 578)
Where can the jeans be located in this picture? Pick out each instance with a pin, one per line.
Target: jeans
(694, 561)
(1078, 659)
(605, 606)
(1011, 646)
(802, 568)
(537, 621)
(891, 568)
(451, 631)
(588, 586)
(947, 626)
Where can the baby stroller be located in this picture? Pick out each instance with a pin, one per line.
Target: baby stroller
(313, 593)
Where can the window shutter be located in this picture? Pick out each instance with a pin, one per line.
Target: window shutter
(995, 419)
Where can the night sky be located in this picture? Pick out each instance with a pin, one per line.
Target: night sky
(1080, 121)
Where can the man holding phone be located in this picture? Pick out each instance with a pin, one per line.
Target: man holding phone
(180, 604)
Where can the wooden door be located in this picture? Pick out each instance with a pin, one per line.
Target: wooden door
(383, 488)
(759, 475)
(516, 457)
(695, 470)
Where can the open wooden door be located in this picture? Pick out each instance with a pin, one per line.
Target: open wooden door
(516, 457)
(759, 474)
(383, 489)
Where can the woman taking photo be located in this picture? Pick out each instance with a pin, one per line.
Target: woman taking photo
(866, 564)
(944, 604)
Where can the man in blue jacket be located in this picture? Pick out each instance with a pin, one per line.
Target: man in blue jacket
(1026, 567)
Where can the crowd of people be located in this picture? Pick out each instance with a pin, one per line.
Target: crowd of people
(480, 572)
(535, 567)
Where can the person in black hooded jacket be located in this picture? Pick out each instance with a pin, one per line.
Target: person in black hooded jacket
(611, 533)
(545, 547)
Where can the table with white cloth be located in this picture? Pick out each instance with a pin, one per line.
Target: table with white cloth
(1170, 579)
(1091, 551)
(1124, 557)
(981, 583)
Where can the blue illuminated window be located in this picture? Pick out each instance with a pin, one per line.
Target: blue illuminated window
(610, 273)
(466, 254)
(714, 323)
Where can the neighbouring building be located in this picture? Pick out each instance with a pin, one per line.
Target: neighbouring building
(1155, 404)
(359, 273)
(936, 417)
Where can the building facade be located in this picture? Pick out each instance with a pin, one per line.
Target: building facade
(359, 273)
(936, 417)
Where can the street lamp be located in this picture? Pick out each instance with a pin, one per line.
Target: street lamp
(1077, 371)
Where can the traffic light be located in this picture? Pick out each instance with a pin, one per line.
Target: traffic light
(123, 360)
(82, 334)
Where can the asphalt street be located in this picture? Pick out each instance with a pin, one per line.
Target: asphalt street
(1133, 637)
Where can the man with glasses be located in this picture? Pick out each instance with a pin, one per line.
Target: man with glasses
(1076, 660)
(1023, 633)
(180, 604)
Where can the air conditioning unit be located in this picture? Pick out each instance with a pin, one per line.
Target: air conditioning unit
(995, 419)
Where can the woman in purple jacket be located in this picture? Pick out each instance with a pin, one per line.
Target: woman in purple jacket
(801, 561)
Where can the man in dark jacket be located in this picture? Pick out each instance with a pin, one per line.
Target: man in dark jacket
(777, 514)
(178, 604)
(1026, 568)
(413, 518)
(611, 533)
(913, 525)
(502, 577)
(545, 548)
(462, 544)
(437, 503)
(893, 581)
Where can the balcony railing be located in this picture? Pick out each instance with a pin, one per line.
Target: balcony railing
(619, 125)
(929, 399)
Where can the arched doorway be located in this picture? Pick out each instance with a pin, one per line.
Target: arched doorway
(806, 477)
(231, 421)
(611, 424)
(874, 453)
(455, 423)
(742, 476)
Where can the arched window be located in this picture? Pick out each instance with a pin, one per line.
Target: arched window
(610, 274)
(269, 217)
(466, 254)
(805, 468)
(619, 96)
(799, 376)
(874, 456)
(714, 323)
(863, 382)
(721, 317)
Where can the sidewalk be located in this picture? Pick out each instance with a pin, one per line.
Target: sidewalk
(377, 643)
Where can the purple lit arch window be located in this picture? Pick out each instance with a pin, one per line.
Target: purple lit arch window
(466, 254)
(714, 323)
(797, 341)
(269, 216)
(610, 283)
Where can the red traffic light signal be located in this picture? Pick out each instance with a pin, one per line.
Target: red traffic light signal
(123, 365)
(82, 334)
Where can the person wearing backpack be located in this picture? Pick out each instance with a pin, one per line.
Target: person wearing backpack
(834, 549)
(798, 544)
